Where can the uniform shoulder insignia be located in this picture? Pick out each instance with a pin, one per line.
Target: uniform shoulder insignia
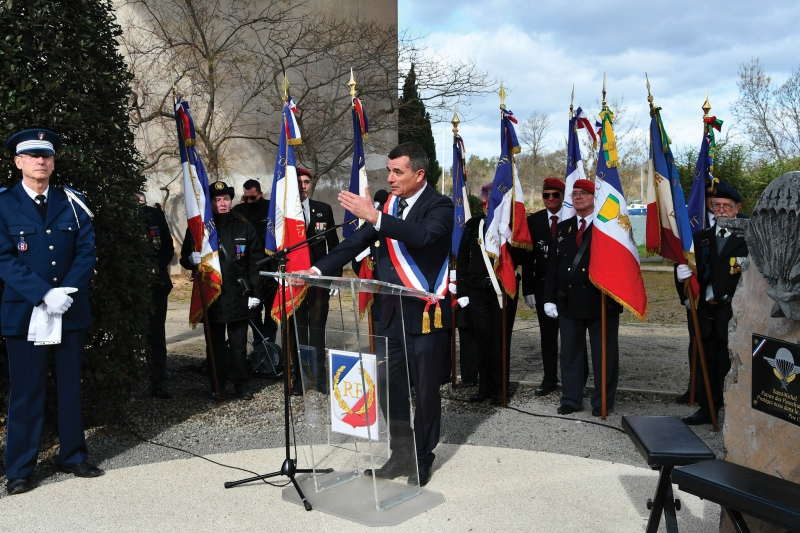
(2, 190)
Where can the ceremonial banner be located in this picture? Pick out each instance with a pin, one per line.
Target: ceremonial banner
(575, 169)
(286, 224)
(703, 175)
(460, 198)
(358, 172)
(614, 259)
(354, 409)
(506, 224)
(365, 299)
(199, 217)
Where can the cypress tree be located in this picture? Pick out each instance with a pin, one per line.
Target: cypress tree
(61, 70)
(414, 124)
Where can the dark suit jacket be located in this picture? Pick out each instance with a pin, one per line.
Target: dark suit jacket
(321, 219)
(535, 263)
(576, 297)
(715, 269)
(426, 232)
(159, 236)
(58, 253)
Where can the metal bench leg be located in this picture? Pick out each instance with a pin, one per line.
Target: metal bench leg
(738, 521)
(663, 502)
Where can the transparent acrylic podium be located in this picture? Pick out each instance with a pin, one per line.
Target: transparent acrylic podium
(357, 414)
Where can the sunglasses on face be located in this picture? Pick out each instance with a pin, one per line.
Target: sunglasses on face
(250, 198)
(547, 195)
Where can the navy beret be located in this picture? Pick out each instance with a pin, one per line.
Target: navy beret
(726, 191)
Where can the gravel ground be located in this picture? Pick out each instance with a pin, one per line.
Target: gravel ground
(653, 358)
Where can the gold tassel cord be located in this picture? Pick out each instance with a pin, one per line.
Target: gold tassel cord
(426, 322)
(437, 318)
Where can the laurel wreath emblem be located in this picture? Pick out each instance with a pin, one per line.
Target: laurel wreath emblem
(340, 400)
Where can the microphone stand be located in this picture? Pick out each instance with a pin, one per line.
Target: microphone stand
(289, 465)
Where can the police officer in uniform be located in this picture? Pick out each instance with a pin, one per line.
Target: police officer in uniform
(160, 286)
(720, 255)
(47, 256)
(239, 253)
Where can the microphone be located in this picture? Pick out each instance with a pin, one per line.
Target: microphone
(380, 197)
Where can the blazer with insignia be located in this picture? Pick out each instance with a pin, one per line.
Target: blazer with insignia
(57, 252)
(534, 267)
(573, 292)
(427, 233)
(321, 219)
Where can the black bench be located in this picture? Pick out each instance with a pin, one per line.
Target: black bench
(739, 489)
(665, 442)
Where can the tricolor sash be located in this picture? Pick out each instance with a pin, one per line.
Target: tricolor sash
(410, 274)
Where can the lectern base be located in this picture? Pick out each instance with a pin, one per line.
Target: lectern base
(355, 500)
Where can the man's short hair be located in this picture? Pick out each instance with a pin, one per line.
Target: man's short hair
(252, 184)
(417, 157)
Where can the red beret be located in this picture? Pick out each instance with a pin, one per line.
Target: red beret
(585, 185)
(303, 172)
(553, 184)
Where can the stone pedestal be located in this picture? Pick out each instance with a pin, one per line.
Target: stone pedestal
(753, 438)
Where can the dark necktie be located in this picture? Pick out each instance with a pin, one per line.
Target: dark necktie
(553, 224)
(401, 207)
(723, 233)
(42, 205)
(579, 236)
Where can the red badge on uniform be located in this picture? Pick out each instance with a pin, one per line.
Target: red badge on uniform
(22, 246)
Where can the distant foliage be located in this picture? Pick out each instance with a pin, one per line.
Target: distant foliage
(414, 124)
(61, 70)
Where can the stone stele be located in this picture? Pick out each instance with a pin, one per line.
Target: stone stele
(752, 438)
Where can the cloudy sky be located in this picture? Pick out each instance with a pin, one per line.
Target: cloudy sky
(541, 47)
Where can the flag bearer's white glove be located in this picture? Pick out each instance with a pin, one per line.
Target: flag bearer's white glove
(551, 310)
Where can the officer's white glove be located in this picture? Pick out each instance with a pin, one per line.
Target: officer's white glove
(687, 304)
(453, 276)
(551, 310)
(453, 289)
(252, 303)
(195, 258)
(463, 301)
(530, 301)
(334, 292)
(684, 272)
(58, 300)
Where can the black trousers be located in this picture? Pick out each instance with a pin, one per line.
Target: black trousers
(573, 356)
(157, 340)
(469, 354)
(424, 369)
(311, 317)
(717, 360)
(548, 332)
(487, 319)
(230, 356)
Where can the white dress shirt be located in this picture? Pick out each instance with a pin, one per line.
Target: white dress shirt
(33, 194)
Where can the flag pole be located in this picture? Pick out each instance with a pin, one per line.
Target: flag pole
(603, 319)
(701, 351)
(455, 122)
(693, 371)
(198, 275)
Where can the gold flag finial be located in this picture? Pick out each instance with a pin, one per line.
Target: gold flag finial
(455, 122)
(502, 97)
(352, 84)
(604, 91)
(649, 96)
(571, 101)
(706, 107)
(285, 87)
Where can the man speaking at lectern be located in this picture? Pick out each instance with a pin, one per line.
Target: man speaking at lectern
(410, 239)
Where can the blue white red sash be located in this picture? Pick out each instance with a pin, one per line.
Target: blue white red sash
(411, 275)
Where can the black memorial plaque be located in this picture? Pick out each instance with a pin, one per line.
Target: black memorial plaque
(776, 386)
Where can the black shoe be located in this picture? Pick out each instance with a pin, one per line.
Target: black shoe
(701, 416)
(566, 410)
(544, 389)
(468, 383)
(425, 472)
(83, 469)
(297, 389)
(243, 394)
(18, 485)
(683, 399)
(392, 469)
(480, 397)
(496, 401)
(161, 393)
(597, 411)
